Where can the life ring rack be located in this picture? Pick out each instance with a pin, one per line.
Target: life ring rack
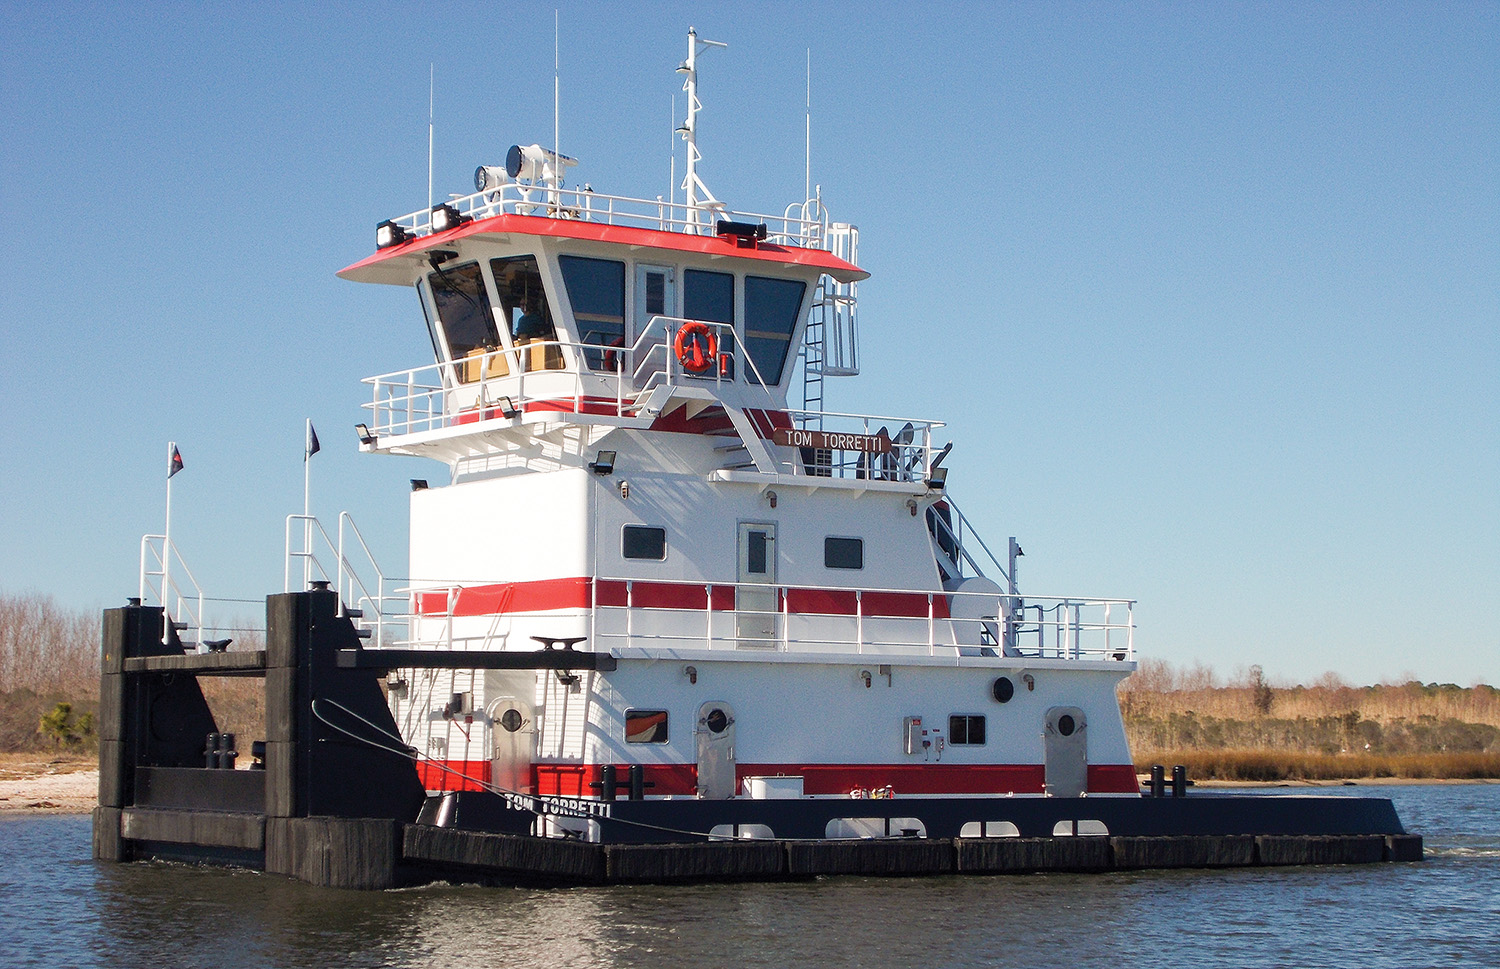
(695, 346)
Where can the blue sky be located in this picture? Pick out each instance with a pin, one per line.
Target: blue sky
(1209, 294)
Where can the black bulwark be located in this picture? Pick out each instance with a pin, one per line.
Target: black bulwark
(332, 746)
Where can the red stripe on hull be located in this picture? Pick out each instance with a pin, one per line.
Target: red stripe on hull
(573, 780)
(454, 775)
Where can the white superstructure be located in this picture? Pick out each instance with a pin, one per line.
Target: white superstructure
(779, 591)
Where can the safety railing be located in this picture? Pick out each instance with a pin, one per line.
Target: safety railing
(609, 380)
(501, 382)
(162, 584)
(382, 612)
(586, 205)
(749, 617)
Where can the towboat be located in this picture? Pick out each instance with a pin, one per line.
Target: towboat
(665, 595)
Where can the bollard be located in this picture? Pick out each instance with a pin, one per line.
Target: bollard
(227, 753)
(1179, 781)
(1158, 780)
(607, 783)
(211, 751)
(637, 782)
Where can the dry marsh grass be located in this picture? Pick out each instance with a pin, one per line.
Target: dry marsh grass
(1248, 728)
(49, 654)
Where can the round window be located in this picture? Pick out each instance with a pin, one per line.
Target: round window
(1065, 725)
(1004, 689)
(716, 720)
(511, 720)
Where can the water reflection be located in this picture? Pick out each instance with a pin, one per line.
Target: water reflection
(60, 909)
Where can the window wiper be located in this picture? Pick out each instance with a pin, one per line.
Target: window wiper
(436, 258)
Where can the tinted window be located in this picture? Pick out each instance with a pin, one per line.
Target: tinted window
(708, 296)
(755, 553)
(596, 288)
(966, 729)
(644, 542)
(771, 310)
(463, 306)
(646, 726)
(843, 553)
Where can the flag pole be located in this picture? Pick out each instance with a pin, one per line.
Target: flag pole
(306, 505)
(166, 551)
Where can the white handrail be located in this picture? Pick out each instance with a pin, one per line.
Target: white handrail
(157, 548)
(1054, 627)
(521, 198)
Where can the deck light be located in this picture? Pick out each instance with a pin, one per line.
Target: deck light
(937, 478)
(489, 178)
(389, 234)
(418, 484)
(365, 437)
(604, 463)
(506, 406)
(445, 217)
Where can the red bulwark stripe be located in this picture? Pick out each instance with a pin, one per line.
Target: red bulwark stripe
(572, 780)
(454, 775)
(1113, 779)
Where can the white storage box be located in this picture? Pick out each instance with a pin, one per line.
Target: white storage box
(764, 788)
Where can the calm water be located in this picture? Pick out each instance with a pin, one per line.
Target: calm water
(57, 908)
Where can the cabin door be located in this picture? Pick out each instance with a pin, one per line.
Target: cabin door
(513, 739)
(715, 734)
(757, 612)
(655, 295)
(1066, 751)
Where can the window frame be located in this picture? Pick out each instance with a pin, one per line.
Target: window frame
(639, 526)
(664, 728)
(968, 719)
(860, 544)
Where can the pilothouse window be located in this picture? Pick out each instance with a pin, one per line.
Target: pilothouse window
(596, 288)
(526, 312)
(771, 310)
(463, 308)
(709, 297)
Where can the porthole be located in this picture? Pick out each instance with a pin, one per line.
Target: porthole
(1004, 689)
(510, 720)
(1065, 725)
(716, 720)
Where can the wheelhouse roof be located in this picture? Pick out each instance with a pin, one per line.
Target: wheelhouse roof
(400, 264)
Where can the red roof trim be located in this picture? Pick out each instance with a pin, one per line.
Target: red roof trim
(534, 225)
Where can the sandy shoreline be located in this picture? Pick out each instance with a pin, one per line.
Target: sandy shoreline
(36, 786)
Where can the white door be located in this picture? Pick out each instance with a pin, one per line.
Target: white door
(715, 735)
(513, 739)
(1066, 747)
(655, 294)
(757, 619)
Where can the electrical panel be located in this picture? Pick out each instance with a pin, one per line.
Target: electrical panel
(914, 736)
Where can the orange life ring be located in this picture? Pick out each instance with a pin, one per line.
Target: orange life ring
(696, 347)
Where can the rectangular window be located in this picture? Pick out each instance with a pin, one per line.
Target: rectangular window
(644, 542)
(966, 729)
(843, 553)
(527, 312)
(709, 297)
(596, 288)
(646, 726)
(463, 309)
(755, 553)
(772, 307)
